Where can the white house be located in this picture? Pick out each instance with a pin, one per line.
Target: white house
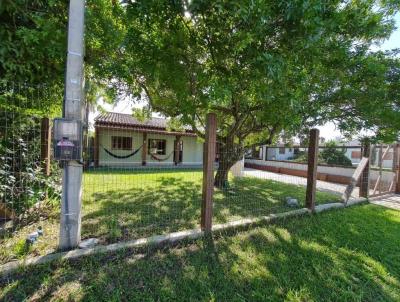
(277, 153)
(122, 141)
(353, 152)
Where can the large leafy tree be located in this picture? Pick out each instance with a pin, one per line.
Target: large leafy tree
(262, 66)
(33, 37)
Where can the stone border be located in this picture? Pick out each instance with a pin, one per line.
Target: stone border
(10, 267)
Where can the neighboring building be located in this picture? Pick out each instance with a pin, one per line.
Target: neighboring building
(353, 152)
(122, 140)
(278, 153)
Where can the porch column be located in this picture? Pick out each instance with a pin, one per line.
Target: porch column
(144, 149)
(176, 149)
(96, 146)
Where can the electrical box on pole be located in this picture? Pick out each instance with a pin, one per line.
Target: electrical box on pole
(68, 130)
(67, 142)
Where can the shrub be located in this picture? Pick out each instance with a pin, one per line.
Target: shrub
(22, 179)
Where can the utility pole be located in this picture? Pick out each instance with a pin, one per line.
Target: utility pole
(73, 109)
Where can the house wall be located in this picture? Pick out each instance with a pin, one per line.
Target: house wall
(192, 149)
(386, 163)
(273, 154)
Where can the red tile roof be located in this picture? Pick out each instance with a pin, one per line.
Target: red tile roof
(113, 119)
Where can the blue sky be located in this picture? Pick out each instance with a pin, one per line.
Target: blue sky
(394, 41)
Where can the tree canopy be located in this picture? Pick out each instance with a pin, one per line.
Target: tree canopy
(263, 66)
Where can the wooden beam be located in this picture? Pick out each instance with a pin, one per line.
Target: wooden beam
(45, 144)
(354, 179)
(312, 169)
(208, 172)
(364, 183)
(144, 149)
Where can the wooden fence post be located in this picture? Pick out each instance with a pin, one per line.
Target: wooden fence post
(312, 169)
(364, 182)
(208, 172)
(45, 144)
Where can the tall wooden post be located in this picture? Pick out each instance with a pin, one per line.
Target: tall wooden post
(312, 169)
(144, 149)
(364, 182)
(208, 172)
(45, 144)
(96, 146)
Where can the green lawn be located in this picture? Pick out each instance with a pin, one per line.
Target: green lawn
(120, 205)
(126, 204)
(343, 255)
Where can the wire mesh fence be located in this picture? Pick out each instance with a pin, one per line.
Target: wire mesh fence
(382, 178)
(143, 178)
(29, 183)
(257, 186)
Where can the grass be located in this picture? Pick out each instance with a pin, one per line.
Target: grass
(343, 255)
(127, 204)
(145, 203)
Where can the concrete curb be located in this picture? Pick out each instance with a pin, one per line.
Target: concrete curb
(10, 267)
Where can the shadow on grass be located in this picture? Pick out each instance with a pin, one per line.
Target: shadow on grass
(309, 259)
(143, 205)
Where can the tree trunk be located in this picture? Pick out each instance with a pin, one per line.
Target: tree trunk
(228, 156)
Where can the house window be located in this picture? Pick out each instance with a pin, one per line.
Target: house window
(121, 142)
(157, 146)
(282, 150)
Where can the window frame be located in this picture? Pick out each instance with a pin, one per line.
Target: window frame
(157, 140)
(121, 142)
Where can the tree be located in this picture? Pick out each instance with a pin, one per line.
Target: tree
(332, 155)
(33, 39)
(261, 66)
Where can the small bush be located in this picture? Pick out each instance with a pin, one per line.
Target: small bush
(21, 248)
(22, 179)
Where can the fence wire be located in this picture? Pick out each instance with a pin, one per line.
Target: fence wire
(382, 178)
(29, 187)
(258, 185)
(142, 178)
